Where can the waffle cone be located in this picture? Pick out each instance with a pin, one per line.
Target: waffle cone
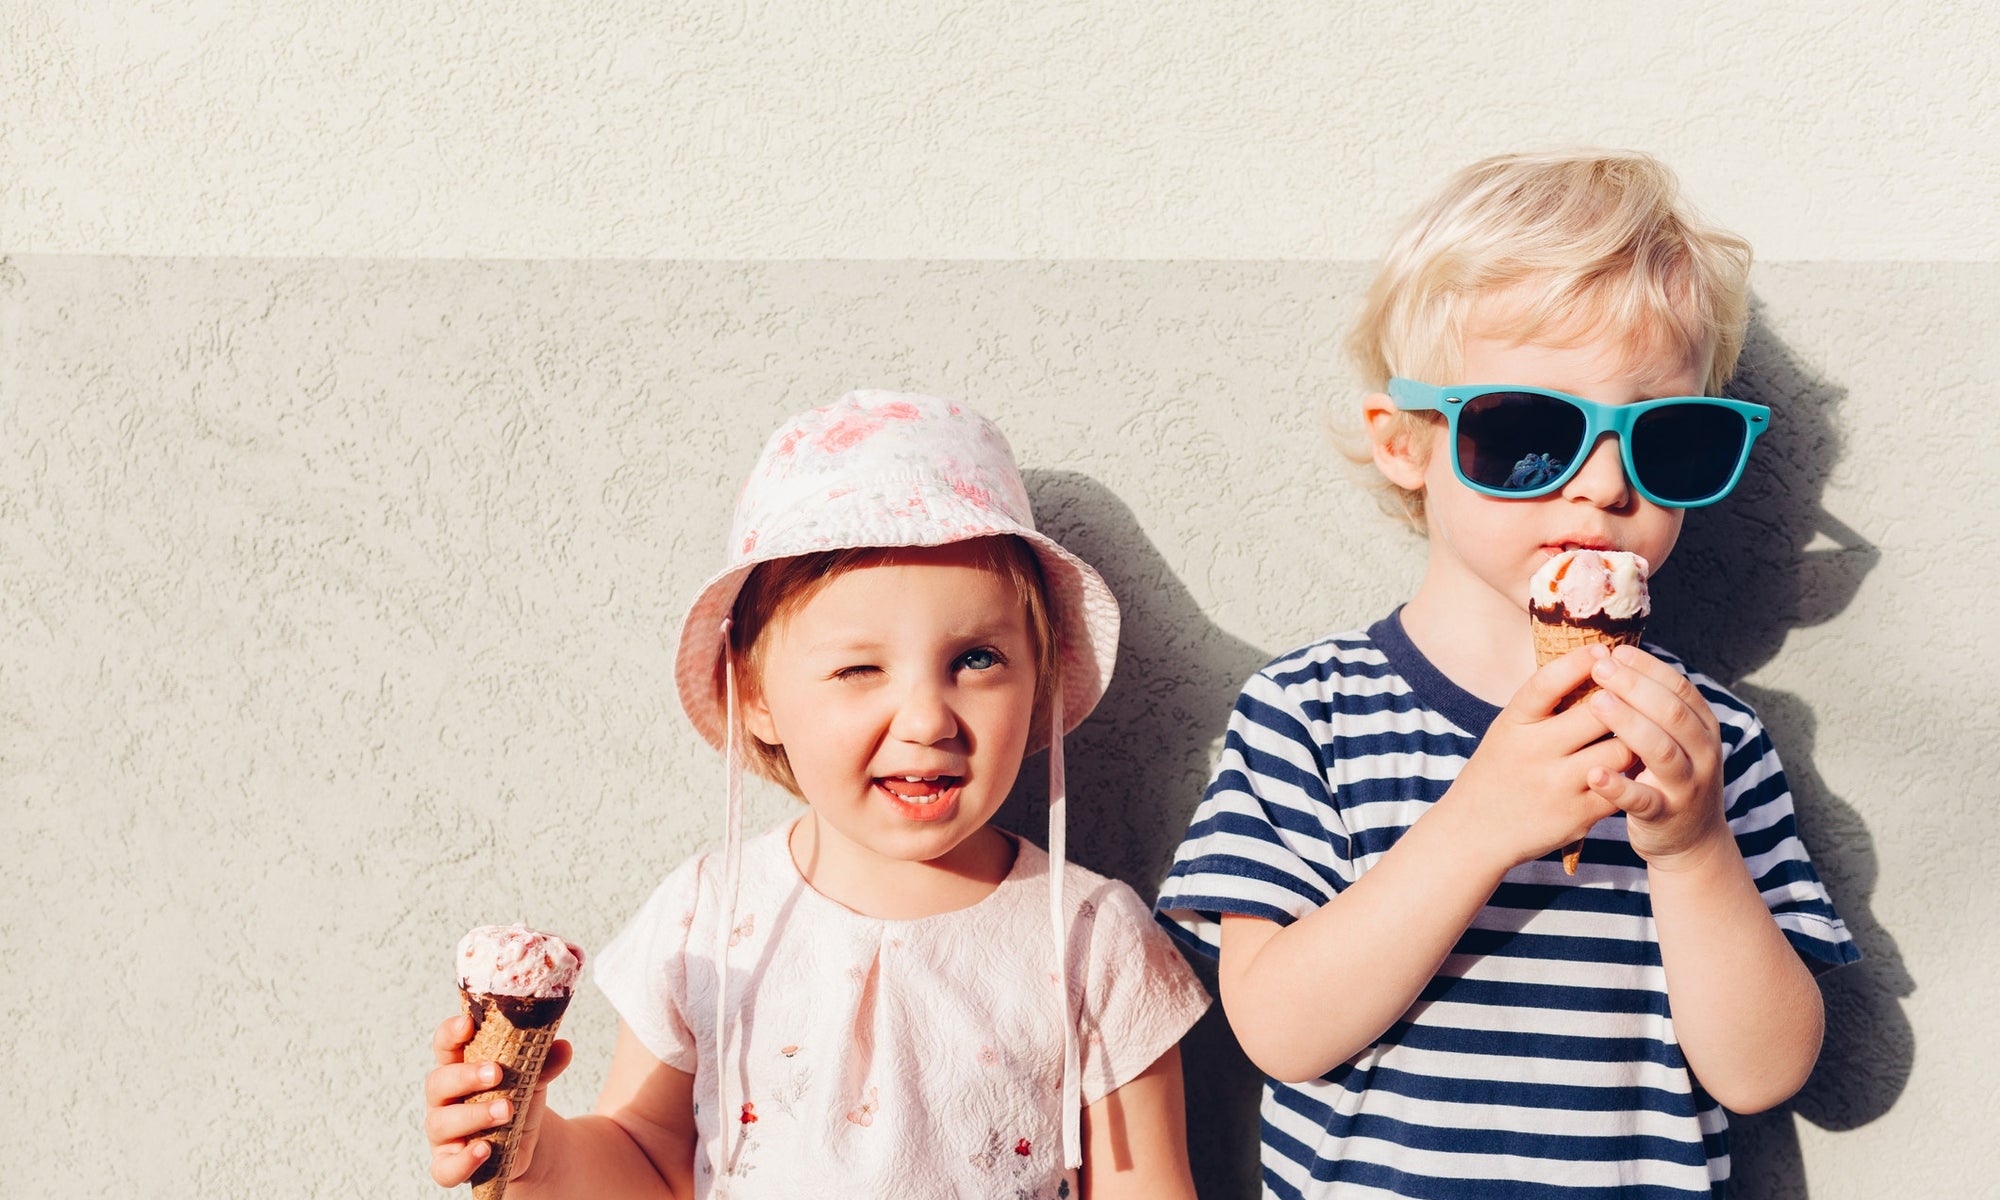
(516, 1033)
(1555, 638)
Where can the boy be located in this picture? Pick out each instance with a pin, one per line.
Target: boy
(1441, 1010)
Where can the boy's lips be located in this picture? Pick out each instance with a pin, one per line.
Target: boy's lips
(1551, 549)
(920, 798)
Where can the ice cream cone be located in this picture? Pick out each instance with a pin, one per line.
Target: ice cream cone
(514, 983)
(1608, 582)
(516, 1032)
(1553, 639)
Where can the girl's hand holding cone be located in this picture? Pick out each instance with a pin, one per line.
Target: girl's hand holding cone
(452, 1126)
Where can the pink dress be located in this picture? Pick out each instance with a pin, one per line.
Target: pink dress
(894, 1058)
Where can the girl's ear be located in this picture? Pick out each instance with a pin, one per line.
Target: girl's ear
(756, 714)
(1400, 446)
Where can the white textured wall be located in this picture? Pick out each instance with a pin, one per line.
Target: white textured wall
(341, 560)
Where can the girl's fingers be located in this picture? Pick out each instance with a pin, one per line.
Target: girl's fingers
(451, 1123)
(560, 1054)
(448, 1043)
(453, 1164)
(455, 1081)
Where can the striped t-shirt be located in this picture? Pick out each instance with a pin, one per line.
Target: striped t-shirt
(1541, 1060)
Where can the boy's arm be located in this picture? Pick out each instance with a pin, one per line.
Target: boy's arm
(1747, 1011)
(639, 1143)
(1306, 997)
(1135, 1138)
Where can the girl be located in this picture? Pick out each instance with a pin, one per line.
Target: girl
(884, 996)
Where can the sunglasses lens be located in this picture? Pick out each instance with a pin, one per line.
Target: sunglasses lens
(1686, 453)
(1517, 441)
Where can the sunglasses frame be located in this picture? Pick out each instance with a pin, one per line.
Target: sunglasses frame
(1598, 420)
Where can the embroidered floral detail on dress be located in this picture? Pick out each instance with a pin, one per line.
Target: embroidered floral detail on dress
(749, 1115)
(744, 928)
(1023, 1148)
(984, 1159)
(864, 1115)
(989, 1057)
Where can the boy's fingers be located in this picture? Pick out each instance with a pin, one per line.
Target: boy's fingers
(1670, 679)
(455, 1081)
(448, 1043)
(1662, 752)
(1637, 800)
(1547, 686)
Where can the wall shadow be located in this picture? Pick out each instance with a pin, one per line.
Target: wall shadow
(1747, 572)
(1137, 769)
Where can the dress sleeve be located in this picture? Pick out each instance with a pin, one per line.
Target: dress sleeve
(1267, 840)
(643, 971)
(1138, 995)
(1758, 804)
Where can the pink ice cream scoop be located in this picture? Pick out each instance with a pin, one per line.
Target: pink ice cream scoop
(1579, 585)
(514, 960)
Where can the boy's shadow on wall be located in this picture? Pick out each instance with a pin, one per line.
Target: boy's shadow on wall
(1747, 573)
(1136, 770)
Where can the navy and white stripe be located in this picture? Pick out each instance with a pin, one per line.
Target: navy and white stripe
(1541, 1060)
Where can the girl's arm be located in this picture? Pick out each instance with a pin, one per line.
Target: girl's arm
(1306, 997)
(1135, 1138)
(637, 1145)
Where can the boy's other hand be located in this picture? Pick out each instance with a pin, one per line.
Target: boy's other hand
(1673, 807)
(1526, 789)
(448, 1122)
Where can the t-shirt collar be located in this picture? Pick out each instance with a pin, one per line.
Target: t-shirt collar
(1429, 684)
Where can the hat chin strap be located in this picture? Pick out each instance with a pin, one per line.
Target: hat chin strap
(1072, 1092)
(732, 867)
(1071, 1096)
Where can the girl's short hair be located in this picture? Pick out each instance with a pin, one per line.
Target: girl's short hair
(1588, 244)
(780, 587)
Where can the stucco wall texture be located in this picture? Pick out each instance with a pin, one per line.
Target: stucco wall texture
(375, 381)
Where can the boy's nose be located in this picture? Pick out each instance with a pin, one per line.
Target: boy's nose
(923, 716)
(1601, 480)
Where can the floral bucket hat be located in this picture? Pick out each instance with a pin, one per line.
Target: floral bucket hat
(887, 469)
(893, 469)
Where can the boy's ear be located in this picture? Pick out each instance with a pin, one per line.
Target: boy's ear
(1400, 456)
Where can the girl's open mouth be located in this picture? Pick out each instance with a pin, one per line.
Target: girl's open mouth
(926, 798)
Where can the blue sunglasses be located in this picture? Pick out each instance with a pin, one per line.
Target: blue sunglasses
(1520, 442)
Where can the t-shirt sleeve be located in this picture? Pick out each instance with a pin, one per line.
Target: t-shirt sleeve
(1758, 803)
(643, 971)
(1139, 997)
(1267, 840)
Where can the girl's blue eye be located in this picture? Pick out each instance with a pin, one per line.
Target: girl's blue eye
(983, 659)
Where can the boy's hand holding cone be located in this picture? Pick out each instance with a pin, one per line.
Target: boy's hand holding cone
(1585, 597)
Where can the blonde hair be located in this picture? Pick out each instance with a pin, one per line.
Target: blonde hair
(776, 589)
(1588, 244)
